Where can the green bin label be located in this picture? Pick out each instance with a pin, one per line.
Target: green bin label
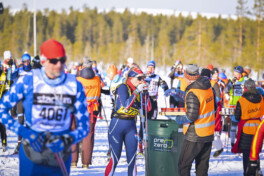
(163, 144)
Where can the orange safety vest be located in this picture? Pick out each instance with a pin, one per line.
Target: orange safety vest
(251, 112)
(92, 89)
(205, 124)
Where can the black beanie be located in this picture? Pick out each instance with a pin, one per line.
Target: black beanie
(206, 72)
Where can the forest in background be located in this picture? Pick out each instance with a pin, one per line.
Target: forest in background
(112, 37)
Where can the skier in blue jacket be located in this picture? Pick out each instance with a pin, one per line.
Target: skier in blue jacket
(123, 125)
(24, 69)
(49, 97)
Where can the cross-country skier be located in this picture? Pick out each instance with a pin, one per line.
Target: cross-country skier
(234, 91)
(2, 91)
(154, 81)
(25, 69)
(10, 70)
(123, 125)
(177, 82)
(49, 97)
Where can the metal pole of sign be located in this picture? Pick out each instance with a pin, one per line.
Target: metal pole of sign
(35, 29)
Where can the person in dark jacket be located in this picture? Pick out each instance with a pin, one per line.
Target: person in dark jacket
(253, 167)
(213, 77)
(92, 88)
(177, 82)
(36, 63)
(199, 131)
(249, 110)
(154, 81)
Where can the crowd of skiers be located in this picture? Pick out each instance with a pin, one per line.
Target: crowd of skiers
(57, 111)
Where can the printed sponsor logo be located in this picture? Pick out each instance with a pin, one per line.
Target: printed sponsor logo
(209, 99)
(253, 110)
(51, 99)
(90, 87)
(163, 144)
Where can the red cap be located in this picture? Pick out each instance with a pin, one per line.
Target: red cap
(52, 49)
(210, 67)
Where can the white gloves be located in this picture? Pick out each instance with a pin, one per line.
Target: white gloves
(141, 88)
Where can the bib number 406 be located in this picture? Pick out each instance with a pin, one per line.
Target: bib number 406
(51, 113)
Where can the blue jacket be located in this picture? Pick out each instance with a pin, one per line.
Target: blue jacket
(23, 90)
(127, 102)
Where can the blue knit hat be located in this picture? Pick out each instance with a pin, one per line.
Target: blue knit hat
(222, 75)
(26, 56)
(238, 69)
(151, 63)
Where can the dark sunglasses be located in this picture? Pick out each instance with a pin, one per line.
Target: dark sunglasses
(140, 78)
(55, 60)
(25, 61)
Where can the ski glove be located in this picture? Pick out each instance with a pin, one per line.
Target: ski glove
(181, 119)
(141, 88)
(177, 94)
(169, 92)
(35, 139)
(163, 84)
(253, 166)
(233, 118)
(58, 143)
(260, 90)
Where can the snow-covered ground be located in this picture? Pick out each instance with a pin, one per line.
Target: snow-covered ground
(226, 164)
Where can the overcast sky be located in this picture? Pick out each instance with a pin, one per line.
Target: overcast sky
(202, 6)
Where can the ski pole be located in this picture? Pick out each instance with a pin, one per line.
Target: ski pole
(61, 164)
(58, 156)
(141, 115)
(146, 116)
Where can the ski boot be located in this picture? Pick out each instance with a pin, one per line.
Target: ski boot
(73, 165)
(218, 152)
(108, 155)
(85, 166)
(17, 148)
(140, 153)
(4, 145)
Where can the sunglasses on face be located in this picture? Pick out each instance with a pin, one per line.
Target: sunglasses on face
(25, 61)
(140, 78)
(55, 60)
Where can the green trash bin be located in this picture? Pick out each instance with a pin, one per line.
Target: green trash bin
(164, 144)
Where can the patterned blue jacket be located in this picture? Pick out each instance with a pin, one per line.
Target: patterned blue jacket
(40, 107)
